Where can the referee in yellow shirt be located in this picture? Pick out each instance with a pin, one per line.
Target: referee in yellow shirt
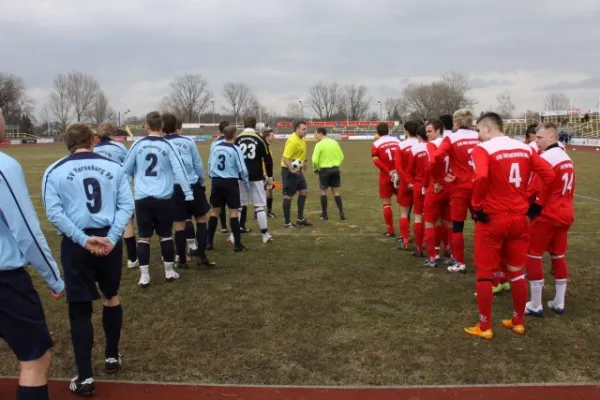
(326, 161)
(294, 181)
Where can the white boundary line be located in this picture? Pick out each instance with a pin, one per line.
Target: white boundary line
(587, 198)
(359, 387)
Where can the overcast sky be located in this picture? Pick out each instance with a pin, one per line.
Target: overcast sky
(134, 48)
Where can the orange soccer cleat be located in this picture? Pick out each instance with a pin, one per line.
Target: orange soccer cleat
(518, 329)
(476, 331)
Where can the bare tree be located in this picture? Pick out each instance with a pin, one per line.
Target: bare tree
(505, 106)
(556, 102)
(83, 90)
(60, 102)
(100, 110)
(13, 98)
(189, 97)
(395, 108)
(450, 93)
(237, 96)
(323, 99)
(357, 103)
(294, 111)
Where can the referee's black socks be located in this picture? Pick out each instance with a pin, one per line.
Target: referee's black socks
(324, 205)
(338, 202)
(287, 210)
(301, 203)
(32, 393)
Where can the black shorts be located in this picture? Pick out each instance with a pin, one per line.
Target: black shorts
(225, 192)
(82, 270)
(292, 183)
(22, 319)
(154, 215)
(185, 209)
(329, 178)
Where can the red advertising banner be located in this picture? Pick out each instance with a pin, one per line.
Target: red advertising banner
(334, 124)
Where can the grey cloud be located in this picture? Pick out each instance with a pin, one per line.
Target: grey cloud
(590, 83)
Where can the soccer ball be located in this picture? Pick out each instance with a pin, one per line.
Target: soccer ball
(296, 165)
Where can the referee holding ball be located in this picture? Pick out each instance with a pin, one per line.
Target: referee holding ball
(294, 180)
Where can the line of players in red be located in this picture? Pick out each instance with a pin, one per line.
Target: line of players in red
(520, 196)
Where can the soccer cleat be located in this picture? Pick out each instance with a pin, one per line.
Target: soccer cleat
(518, 329)
(112, 365)
(557, 308)
(450, 262)
(240, 248)
(419, 254)
(476, 331)
(303, 222)
(389, 235)
(402, 246)
(83, 387)
(171, 276)
(534, 311)
(266, 237)
(144, 281)
(342, 216)
(271, 215)
(458, 268)
(224, 230)
(194, 253)
(289, 225)
(133, 264)
(205, 262)
(244, 229)
(230, 239)
(324, 217)
(430, 263)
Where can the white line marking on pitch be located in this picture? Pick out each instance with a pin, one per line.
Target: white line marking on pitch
(360, 387)
(587, 198)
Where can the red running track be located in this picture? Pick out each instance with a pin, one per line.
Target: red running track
(154, 391)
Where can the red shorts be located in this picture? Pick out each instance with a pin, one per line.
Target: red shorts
(503, 239)
(435, 205)
(405, 196)
(418, 199)
(386, 187)
(460, 202)
(547, 235)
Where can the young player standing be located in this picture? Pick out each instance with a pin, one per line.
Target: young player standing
(22, 320)
(192, 164)
(87, 195)
(383, 151)
(418, 161)
(225, 168)
(502, 167)
(117, 152)
(552, 215)
(453, 154)
(436, 195)
(223, 213)
(156, 167)
(256, 153)
(405, 190)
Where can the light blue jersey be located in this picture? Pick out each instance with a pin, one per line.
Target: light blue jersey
(87, 191)
(192, 161)
(227, 161)
(218, 140)
(22, 242)
(156, 168)
(112, 150)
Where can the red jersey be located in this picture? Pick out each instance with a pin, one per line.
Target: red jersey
(432, 147)
(558, 200)
(502, 169)
(383, 151)
(418, 161)
(403, 155)
(455, 153)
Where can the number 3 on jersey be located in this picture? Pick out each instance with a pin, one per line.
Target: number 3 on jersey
(514, 175)
(249, 150)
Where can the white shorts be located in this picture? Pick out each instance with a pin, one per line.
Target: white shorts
(257, 194)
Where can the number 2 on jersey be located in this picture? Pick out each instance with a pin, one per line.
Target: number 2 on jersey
(91, 186)
(514, 175)
(153, 161)
(568, 183)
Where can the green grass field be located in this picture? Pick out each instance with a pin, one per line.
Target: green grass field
(335, 304)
